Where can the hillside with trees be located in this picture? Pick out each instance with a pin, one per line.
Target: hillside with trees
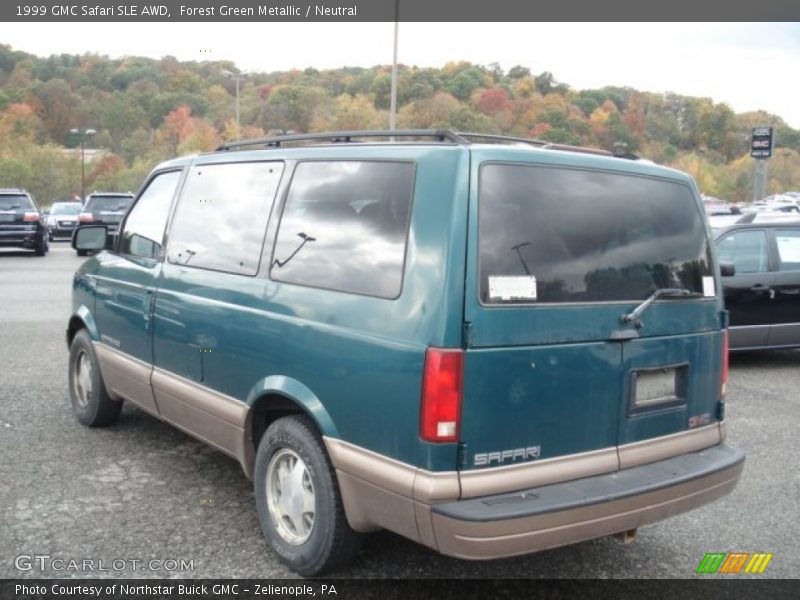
(147, 110)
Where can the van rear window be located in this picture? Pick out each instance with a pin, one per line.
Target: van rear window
(567, 235)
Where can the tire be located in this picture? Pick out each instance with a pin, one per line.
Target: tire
(90, 400)
(309, 542)
(42, 247)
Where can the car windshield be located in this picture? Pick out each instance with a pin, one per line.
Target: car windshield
(110, 203)
(567, 235)
(12, 202)
(70, 208)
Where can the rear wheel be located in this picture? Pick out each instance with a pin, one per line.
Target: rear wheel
(90, 400)
(43, 246)
(298, 501)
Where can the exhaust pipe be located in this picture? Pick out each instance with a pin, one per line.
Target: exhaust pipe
(627, 537)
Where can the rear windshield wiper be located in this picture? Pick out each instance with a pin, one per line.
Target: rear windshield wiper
(633, 316)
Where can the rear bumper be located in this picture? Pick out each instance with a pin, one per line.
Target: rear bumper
(21, 239)
(563, 513)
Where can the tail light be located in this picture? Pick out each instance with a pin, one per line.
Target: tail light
(441, 395)
(31, 216)
(86, 217)
(725, 362)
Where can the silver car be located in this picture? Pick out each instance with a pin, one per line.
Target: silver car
(63, 219)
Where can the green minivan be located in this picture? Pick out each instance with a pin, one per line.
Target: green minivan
(491, 346)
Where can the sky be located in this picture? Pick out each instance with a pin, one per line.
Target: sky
(749, 66)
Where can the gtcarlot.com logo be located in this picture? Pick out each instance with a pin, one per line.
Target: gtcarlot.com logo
(733, 563)
(47, 562)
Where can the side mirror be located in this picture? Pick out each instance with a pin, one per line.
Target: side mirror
(727, 269)
(91, 238)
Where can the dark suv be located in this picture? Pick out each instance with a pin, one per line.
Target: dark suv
(105, 208)
(21, 223)
(762, 291)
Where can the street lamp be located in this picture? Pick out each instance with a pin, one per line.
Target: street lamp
(84, 133)
(236, 77)
(393, 100)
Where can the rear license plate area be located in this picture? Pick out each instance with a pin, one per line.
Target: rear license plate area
(7, 218)
(657, 388)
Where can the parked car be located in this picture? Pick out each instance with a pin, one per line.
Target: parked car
(21, 223)
(763, 295)
(105, 208)
(715, 206)
(772, 206)
(718, 222)
(412, 331)
(786, 197)
(62, 219)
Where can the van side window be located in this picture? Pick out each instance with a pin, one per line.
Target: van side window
(144, 227)
(345, 227)
(222, 216)
(788, 249)
(576, 235)
(747, 250)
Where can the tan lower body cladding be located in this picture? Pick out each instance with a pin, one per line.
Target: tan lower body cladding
(214, 418)
(379, 492)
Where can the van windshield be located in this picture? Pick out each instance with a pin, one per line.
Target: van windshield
(566, 235)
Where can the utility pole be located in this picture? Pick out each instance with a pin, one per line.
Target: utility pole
(237, 77)
(84, 133)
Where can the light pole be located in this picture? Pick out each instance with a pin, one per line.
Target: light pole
(237, 77)
(84, 133)
(393, 101)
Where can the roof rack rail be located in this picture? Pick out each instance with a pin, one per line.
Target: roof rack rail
(346, 137)
(472, 136)
(469, 135)
(583, 149)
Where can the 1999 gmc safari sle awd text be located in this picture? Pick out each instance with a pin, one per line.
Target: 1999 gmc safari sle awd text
(488, 346)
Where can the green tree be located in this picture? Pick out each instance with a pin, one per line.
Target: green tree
(120, 117)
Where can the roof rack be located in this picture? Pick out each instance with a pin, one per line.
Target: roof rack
(448, 136)
(347, 137)
(470, 136)
(583, 149)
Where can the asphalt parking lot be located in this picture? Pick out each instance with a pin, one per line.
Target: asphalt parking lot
(142, 491)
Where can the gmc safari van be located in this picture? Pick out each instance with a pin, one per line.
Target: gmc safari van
(490, 346)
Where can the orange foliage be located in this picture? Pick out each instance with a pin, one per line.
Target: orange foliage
(493, 101)
(108, 165)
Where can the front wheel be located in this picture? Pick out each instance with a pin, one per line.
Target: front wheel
(298, 501)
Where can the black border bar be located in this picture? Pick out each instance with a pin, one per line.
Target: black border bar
(711, 588)
(30, 11)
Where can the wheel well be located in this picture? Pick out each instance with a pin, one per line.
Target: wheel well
(272, 407)
(75, 325)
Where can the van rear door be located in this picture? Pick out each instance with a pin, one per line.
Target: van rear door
(556, 256)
